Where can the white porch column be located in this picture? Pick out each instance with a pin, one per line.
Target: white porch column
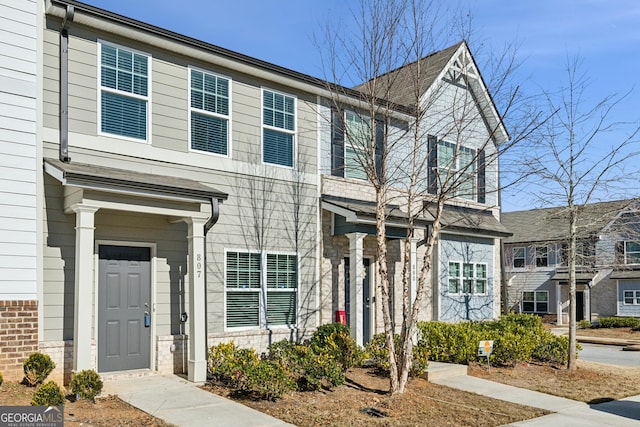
(83, 300)
(587, 302)
(356, 293)
(197, 301)
(559, 304)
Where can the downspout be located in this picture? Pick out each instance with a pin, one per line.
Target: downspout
(215, 215)
(64, 85)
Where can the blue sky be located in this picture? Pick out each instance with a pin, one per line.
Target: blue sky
(605, 34)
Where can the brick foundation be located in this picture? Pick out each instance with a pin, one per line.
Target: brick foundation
(171, 354)
(18, 336)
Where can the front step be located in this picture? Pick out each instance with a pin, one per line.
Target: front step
(439, 371)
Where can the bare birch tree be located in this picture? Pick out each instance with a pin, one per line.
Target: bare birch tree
(399, 35)
(576, 162)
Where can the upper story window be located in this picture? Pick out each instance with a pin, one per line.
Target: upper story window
(631, 252)
(358, 137)
(124, 92)
(278, 128)
(542, 256)
(457, 163)
(209, 112)
(518, 257)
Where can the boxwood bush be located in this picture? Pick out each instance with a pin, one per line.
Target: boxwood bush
(48, 394)
(37, 368)
(619, 322)
(516, 338)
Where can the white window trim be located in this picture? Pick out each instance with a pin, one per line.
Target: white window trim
(535, 302)
(262, 315)
(513, 257)
(148, 98)
(535, 257)
(363, 149)
(625, 252)
(294, 149)
(209, 113)
(636, 296)
(457, 171)
(473, 279)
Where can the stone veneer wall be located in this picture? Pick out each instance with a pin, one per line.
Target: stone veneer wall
(61, 352)
(18, 335)
(260, 340)
(172, 354)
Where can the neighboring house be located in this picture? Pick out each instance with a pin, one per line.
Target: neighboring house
(20, 174)
(169, 194)
(607, 261)
(465, 280)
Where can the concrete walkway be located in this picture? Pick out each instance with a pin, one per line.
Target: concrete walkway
(625, 412)
(182, 403)
(179, 402)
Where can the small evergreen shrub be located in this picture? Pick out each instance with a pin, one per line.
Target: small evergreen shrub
(86, 384)
(267, 380)
(37, 368)
(48, 394)
(377, 353)
(228, 363)
(1, 378)
(619, 322)
(584, 324)
(335, 339)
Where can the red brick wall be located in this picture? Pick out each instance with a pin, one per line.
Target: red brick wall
(18, 336)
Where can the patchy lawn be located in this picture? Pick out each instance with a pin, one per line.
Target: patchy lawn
(422, 404)
(591, 382)
(624, 333)
(106, 412)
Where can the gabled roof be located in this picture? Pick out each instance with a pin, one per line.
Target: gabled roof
(434, 68)
(552, 224)
(403, 92)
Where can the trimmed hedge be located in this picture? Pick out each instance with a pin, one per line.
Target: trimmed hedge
(618, 322)
(516, 338)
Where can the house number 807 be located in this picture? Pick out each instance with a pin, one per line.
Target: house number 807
(199, 265)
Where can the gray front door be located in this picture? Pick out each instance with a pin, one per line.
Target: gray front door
(124, 296)
(366, 297)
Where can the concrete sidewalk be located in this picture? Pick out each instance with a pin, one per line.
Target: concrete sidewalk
(622, 413)
(182, 403)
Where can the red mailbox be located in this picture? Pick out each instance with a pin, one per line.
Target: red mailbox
(341, 317)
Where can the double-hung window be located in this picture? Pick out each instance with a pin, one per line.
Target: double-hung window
(472, 277)
(457, 169)
(124, 92)
(518, 257)
(357, 140)
(209, 112)
(261, 286)
(542, 256)
(278, 128)
(535, 302)
(632, 297)
(631, 252)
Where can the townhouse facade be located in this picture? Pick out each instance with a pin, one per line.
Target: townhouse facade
(178, 194)
(607, 263)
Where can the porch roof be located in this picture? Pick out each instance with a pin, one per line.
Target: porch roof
(364, 212)
(469, 220)
(581, 276)
(110, 179)
(626, 274)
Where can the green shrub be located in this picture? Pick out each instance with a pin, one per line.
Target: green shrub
(619, 322)
(37, 368)
(516, 338)
(227, 363)
(1, 378)
(308, 366)
(335, 339)
(584, 324)
(49, 394)
(86, 384)
(267, 380)
(378, 354)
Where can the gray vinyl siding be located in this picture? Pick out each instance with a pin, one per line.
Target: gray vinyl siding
(18, 141)
(522, 281)
(454, 307)
(627, 309)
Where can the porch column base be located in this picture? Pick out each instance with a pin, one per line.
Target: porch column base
(197, 371)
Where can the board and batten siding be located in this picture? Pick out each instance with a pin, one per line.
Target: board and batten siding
(18, 142)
